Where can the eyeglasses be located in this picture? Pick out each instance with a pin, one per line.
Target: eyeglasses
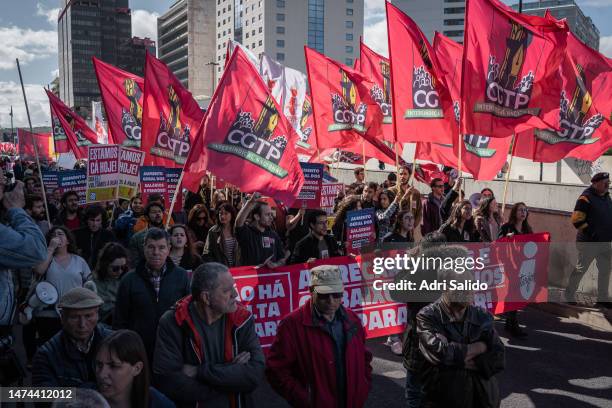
(117, 268)
(326, 296)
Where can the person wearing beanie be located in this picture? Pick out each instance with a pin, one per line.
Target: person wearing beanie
(68, 358)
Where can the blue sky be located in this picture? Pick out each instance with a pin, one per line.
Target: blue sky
(28, 31)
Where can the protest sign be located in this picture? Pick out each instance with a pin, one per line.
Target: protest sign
(130, 161)
(271, 294)
(173, 176)
(50, 180)
(329, 192)
(102, 172)
(73, 180)
(310, 194)
(360, 229)
(153, 180)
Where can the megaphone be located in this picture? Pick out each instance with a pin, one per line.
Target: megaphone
(45, 294)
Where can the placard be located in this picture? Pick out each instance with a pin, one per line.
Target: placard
(102, 173)
(130, 161)
(153, 180)
(73, 180)
(360, 229)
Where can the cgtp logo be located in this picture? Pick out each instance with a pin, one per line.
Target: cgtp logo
(575, 127)
(304, 130)
(504, 96)
(478, 145)
(58, 129)
(255, 141)
(425, 98)
(346, 114)
(383, 96)
(81, 139)
(172, 139)
(131, 119)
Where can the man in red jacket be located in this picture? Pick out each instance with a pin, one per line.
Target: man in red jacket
(319, 358)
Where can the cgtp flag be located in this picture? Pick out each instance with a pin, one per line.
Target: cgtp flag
(70, 127)
(307, 141)
(377, 68)
(510, 69)
(244, 138)
(122, 94)
(171, 117)
(422, 106)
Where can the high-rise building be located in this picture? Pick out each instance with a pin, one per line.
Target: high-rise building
(581, 25)
(101, 28)
(444, 16)
(279, 28)
(186, 43)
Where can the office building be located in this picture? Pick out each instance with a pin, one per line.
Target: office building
(581, 25)
(101, 28)
(444, 16)
(279, 28)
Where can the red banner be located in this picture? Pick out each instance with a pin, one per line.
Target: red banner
(70, 128)
(307, 142)
(44, 142)
(245, 139)
(510, 69)
(422, 106)
(171, 117)
(122, 95)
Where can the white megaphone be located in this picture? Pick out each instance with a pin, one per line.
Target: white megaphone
(45, 294)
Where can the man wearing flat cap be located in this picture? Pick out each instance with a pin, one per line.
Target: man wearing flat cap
(319, 358)
(68, 358)
(592, 217)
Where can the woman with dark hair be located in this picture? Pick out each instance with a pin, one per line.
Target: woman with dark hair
(487, 220)
(517, 222)
(65, 270)
(182, 252)
(122, 373)
(388, 204)
(199, 222)
(403, 229)
(112, 265)
(221, 244)
(124, 225)
(91, 238)
(350, 203)
(460, 225)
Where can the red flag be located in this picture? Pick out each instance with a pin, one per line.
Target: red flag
(171, 117)
(510, 69)
(307, 142)
(346, 115)
(422, 106)
(74, 128)
(26, 145)
(376, 67)
(122, 95)
(245, 139)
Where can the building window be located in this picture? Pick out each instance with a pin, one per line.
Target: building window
(260, 42)
(280, 17)
(454, 10)
(280, 3)
(280, 56)
(348, 49)
(459, 21)
(247, 35)
(253, 46)
(348, 24)
(316, 16)
(224, 9)
(349, 37)
(280, 43)
(218, 13)
(454, 33)
(349, 1)
(280, 30)
(260, 17)
(219, 35)
(223, 32)
(349, 62)
(349, 12)
(260, 29)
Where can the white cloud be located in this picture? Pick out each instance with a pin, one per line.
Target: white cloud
(605, 46)
(375, 37)
(144, 24)
(54, 73)
(11, 95)
(50, 14)
(26, 44)
(374, 9)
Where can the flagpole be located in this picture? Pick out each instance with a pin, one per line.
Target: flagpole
(42, 184)
(508, 174)
(212, 187)
(365, 172)
(412, 173)
(397, 163)
(176, 193)
(13, 129)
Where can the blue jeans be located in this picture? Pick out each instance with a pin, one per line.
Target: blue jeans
(414, 390)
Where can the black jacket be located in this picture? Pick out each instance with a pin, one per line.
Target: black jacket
(137, 307)
(214, 248)
(58, 363)
(452, 234)
(446, 381)
(90, 244)
(432, 218)
(592, 217)
(308, 247)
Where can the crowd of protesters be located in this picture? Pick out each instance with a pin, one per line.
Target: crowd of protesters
(146, 310)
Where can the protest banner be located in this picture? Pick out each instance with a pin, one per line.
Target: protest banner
(153, 180)
(73, 180)
(310, 194)
(102, 173)
(329, 191)
(360, 229)
(173, 176)
(130, 161)
(50, 180)
(271, 294)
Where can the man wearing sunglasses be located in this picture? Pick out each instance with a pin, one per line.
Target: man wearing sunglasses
(432, 219)
(319, 357)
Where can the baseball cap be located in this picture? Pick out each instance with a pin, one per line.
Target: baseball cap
(600, 176)
(326, 279)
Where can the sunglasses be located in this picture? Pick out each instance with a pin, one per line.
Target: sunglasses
(117, 268)
(326, 296)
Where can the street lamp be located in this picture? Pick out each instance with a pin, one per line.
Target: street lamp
(212, 65)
